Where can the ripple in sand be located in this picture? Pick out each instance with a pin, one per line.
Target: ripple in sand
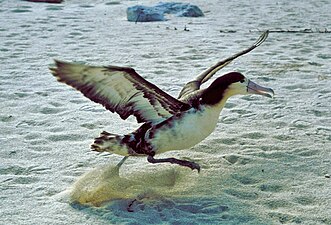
(160, 72)
(18, 170)
(271, 187)
(91, 108)
(254, 135)
(21, 10)
(324, 56)
(246, 180)
(237, 159)
(7, 118)
(54, 8)
(318, 113)
(89, 126)
(65, 137)
(305, 152)
(300, 124)
(230, 105)
(305, 200)
(241, 194)
(86, 6)
(277, 203)
(283, 137)
(285, 218)
(241, 111)
(49, 110)
(229, 119)
(4, 50)
(75, 33)
(25, 180)
(113, 3)
(33, 136)
(31, 123)
(228, 141)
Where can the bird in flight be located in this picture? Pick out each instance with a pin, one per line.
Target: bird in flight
(168, 123)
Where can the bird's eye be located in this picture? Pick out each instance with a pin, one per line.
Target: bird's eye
(242, 81)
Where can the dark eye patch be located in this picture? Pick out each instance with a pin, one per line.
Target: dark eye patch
(242, 81)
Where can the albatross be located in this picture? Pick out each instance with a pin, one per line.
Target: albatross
(168, 123)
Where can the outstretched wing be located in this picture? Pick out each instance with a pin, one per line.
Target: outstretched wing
(194, 86)
(120, 90)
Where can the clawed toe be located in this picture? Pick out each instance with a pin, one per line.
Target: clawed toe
(194, 166)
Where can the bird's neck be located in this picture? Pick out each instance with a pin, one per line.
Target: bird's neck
(215, 98)
(220, 105)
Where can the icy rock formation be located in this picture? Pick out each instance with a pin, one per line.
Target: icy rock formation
(179, 9)
(140, 13)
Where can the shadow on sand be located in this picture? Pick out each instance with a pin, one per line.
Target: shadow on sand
(164, 195)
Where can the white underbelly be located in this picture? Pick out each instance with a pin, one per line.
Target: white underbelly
(183, 133)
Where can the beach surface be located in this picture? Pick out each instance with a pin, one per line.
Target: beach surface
(267, 162)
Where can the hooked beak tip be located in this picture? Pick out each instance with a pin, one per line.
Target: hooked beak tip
(270, 93)
(273, 94)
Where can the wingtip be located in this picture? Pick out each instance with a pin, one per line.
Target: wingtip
(266, 33)
(53, 68)
(59, 63)
(262, 38)
(56, 63)
(57, 69)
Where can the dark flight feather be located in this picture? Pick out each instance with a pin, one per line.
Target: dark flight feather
(119, 89)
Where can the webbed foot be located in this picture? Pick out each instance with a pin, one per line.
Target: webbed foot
(129, 208)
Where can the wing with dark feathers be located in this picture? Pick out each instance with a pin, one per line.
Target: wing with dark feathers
(192, 87)
(120, 90)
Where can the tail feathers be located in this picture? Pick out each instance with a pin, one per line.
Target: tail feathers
(108, 142)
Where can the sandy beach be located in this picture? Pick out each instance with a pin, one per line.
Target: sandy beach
(267, 162)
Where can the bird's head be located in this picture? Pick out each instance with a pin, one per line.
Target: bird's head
(230, 84)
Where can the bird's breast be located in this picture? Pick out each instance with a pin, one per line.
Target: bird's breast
(184, 130)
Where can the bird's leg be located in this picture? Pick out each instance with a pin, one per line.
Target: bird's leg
(121, 162)
(189, 164)
(117, 167)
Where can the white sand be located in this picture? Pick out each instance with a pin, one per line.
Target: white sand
(265, 163)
